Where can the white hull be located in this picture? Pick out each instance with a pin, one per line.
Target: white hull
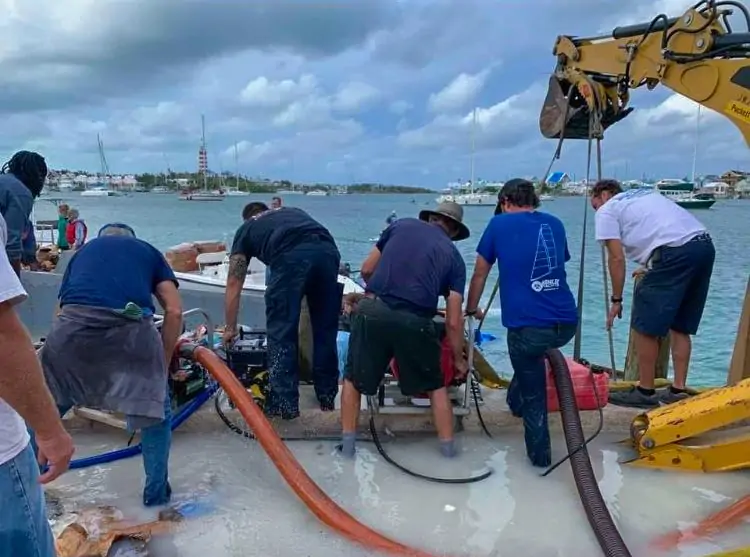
(317, 193)
(203, 197)
(216, 276)
(477, 199)
(98, 193)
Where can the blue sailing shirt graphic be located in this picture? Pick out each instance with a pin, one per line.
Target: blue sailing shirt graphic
(545, 261)
(530, 249)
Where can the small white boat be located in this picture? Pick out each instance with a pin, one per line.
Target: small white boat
(213, 269)
(204, 196)
(546, 197)
(473, 198)
(161, 189)
(98, 192)
(237, 193)
(318, 193)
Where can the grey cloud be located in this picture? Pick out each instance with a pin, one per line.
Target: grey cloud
(443, 31)
(121, 48)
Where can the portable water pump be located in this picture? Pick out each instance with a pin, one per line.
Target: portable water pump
(248, 360)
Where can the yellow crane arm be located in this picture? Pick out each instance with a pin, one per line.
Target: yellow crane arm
(697, 55)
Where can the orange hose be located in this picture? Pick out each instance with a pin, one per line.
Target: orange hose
(306, 489)
(713, 524)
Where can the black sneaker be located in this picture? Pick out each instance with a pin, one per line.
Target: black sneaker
(668, 396)
(634, 398)
(327, 404)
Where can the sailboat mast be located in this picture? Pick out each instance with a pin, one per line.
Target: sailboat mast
(695, 147)
(236, 168)
(203, 147)
(473, 146)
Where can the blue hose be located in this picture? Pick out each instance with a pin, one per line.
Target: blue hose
(177, 420)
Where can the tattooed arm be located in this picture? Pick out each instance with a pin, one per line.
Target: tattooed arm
(238, 264)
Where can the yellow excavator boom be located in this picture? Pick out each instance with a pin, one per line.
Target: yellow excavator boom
(697, 55)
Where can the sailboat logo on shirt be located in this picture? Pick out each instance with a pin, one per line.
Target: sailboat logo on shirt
(545, 261)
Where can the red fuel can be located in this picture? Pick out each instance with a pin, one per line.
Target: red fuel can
(584, 383)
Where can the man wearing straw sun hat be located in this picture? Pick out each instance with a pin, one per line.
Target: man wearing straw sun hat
(412, 266)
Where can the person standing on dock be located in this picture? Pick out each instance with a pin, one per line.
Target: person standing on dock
(413, 265)
(538, 307)
(21, 182)
(76, 230)
(62, 225)
(24, 528)
(304, 261)
(677, 254)
(104, 350)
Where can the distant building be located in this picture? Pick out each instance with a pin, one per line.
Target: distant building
(558, 179)
(731, 177)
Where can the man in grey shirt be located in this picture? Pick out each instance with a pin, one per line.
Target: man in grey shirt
(21, 182)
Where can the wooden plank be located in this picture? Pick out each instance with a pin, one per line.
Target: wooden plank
(739, 368)
(631, 359)
(102, 417)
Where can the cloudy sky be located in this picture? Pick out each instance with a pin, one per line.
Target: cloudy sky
(329, 90)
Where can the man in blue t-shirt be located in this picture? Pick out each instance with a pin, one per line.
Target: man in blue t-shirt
(538, 308)
(413, 265)
(104, 349)
(304, 262)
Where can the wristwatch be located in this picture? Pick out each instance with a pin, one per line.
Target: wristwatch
(615, 300)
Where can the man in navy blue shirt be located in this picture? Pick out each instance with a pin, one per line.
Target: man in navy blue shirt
(104, 349)
(304, 261)
(413, 265)
(538, 308)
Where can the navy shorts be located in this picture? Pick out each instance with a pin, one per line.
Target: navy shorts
(672, 295)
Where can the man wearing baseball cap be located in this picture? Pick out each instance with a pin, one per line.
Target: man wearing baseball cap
(538, 308)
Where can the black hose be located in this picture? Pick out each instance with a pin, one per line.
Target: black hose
(248, 435)
(589, 439)
(475, 395)
(600, 519)
(389, 460)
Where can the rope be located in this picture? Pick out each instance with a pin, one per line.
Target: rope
(582, 264)
(610, 337)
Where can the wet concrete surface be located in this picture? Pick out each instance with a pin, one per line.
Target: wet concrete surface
(249, 510)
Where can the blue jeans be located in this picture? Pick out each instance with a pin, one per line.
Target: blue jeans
(24, 529)
(527, 393)
(156, 441)
(309, 269)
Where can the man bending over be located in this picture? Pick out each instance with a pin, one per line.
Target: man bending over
(303, 261)
(413, 264)
(645, 226)
(104, 350)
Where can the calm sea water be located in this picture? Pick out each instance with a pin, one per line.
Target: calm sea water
(164, 220)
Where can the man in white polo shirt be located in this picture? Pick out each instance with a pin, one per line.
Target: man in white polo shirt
(24, 529)
(677, 255)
